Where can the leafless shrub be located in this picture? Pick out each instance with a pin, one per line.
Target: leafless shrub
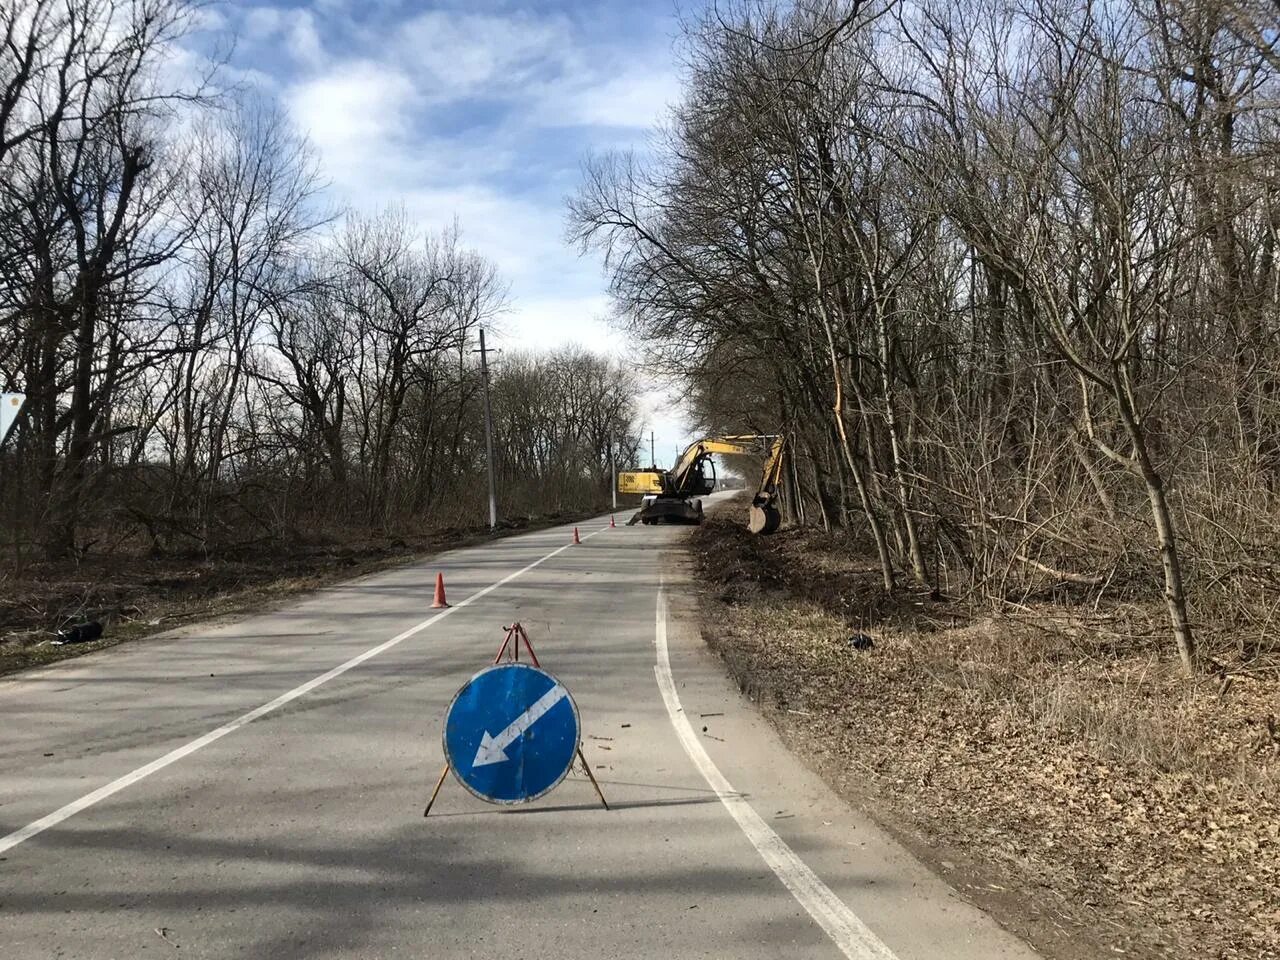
(204, 364)
(1006, 271)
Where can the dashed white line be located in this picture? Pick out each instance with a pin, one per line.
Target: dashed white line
(173, 756)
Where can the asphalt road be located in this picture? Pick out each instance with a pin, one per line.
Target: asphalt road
(255, 788)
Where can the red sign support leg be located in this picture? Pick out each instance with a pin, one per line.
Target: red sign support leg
(510, 649)
(511, 645)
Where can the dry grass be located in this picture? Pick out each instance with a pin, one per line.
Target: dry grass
(1135, 813)
(1136, 709)
(135, 594)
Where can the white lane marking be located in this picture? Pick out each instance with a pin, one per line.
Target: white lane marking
(493, 749)
(173, 756)
(854, 939)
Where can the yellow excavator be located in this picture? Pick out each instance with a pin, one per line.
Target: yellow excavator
(671, 495)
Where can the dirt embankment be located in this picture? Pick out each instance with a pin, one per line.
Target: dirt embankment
(1068, 780)
(133, 594)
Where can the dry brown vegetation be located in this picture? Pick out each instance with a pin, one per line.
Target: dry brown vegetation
(1065, 775)
(1005, 272)
(214, 359)
(135, 594)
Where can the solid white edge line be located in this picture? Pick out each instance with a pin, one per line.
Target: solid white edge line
(854, 939)
(173, 756)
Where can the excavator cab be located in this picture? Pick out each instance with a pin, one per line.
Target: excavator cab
(702, 478)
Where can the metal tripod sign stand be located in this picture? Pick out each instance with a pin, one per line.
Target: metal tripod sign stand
(512, 733)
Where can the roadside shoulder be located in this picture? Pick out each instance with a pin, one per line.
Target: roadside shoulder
(1047, 818)
(917, 913)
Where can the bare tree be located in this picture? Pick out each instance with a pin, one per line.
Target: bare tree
(999, 267)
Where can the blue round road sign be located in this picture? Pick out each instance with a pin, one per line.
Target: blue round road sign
(511, 733)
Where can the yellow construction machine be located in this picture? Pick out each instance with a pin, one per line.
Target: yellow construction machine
(671, 495)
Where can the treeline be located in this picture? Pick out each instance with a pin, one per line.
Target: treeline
(1006, 271)
(211, 355)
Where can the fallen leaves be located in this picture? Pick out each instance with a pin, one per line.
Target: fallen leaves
(1094, 791)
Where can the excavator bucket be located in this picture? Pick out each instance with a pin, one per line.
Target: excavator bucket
(764, 519)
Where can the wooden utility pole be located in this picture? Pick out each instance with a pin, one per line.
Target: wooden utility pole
(488, 433)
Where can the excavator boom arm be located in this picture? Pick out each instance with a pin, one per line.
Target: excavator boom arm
(764, 514)
(737, 444)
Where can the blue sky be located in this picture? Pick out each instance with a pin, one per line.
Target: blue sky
(480, 110)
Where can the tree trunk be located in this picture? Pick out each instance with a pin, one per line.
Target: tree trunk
(1175, 595)
(895, 449)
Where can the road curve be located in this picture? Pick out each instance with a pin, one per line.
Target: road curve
(254, 788)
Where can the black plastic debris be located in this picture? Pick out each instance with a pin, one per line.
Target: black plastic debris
(80, 633)
(860, 641)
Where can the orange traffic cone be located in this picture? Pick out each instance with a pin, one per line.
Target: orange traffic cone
(576, 538)
(612, 525)
(440, 600)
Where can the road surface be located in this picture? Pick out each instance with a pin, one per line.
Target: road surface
(255, 788)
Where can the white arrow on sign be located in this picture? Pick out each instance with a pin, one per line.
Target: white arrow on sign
(10, 405)
(493, 749)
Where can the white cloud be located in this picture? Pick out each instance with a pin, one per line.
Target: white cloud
(659, 413)
(208, 20)
(268, 30)
(508, 230)
(461, 54)
(437, 113)
(538, 62)
(547, 322)
(639, 98)
(303, 40)
(356, 116)
(538, 321)
(261, 24)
